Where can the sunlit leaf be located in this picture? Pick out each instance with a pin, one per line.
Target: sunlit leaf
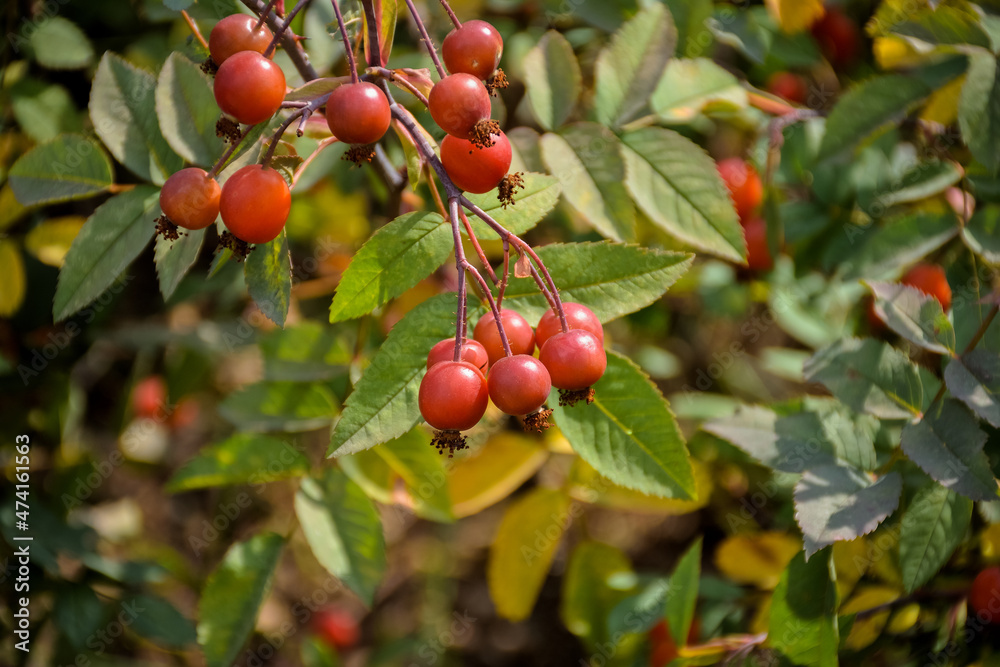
(555, 81)
(803, 622)
(68, 167)
(244, 458)
(756, 558)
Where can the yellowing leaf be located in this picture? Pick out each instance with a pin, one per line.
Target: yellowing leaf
(587, 485)
(50, 241)
(850, 559)
(989, 543)
(757, 558)
(894, 52)
(11, 277)
(942, 105)
(504, 463)
(904, 619)
(10, 209)
(795, 15)
(523, 548)
(866, 629)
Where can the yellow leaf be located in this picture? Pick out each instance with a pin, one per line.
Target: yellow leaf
(904, 619)
(866, 629)
(523, 548)
(942, 106)
(756, 558)
(10, 209)
(499, 467)
(795, 15)
(587, 485)
(989, 543)
(894, 52)
(50, 241)
(850, 559)
(12, 278)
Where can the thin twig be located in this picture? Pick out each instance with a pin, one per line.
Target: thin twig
(298, 55)
(451, 14)
(283, 28)
(221, 162)
(347, 42)
(391, 75)
(427, 38)
(194, 29)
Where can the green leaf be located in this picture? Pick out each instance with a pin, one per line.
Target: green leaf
(539, 196)
(555, 81)
(123, 110)
(233, 595)
(160, 622)
(629, 434)
(598, 578)
(187, 112)
(932, 528)
(79, 613)
(280, 406)
(58, 43)
(394, 259)
(383, 405)
(522, 551)
(803, 622)
(982, 233)
(974, 379)
(945, 25)
(868, 106)
(979, 110)
(897, 244)
(639, 612)
(68, 167)
(244, 458)
(689, 87)
(344, 531)
(174, 259)
(923, 180)
(683, 594)
(690, 16)
(834, 503)
(111, 238)
(869, 376)
(947, 444)
(630, 65)
(914, 315)
(610, 279)
(12, 277)
(676, 184)
(412, 457)
(43, 110)
(586, 158)
(268, 274)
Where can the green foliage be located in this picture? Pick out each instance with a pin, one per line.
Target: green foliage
(555, 86)
(187, 112)
(68, 167)
(280, 406)
(803, 624)
(245, 458)
(268, 274)
(933, 526)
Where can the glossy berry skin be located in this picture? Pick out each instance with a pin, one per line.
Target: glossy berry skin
(473, 169)
(984, 596)
(149, 397)
(743, 182)
(838, 37)
(190, 198)
(255, 203)
(930, 279)
(457, 103)
(236, 33)
(249, 87)
(358, 113)
(519, 385)
(336, 627)
(578, 316)
(474, 49)
(758, 253)
(472, 352)
(791, 87)
(520, 336)
(453, 396)
(575, 359)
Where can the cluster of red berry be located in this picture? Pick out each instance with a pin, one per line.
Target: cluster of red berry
(747, 193)
(454, 393)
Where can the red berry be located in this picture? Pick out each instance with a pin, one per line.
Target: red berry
(930, 279)
(577, 317)
(255, 203)
(249, 87)
(453, 396)
(457, 103)
(358, 113)
(791, 87)
(838, 37)
(236, 33)
(744, 185)
(758, 253)
(519, 334)
(984, 596)
(474, 49)
(575, 359)
(473, 169)
(337, 627)
(149, 397)
(472, 352)
(519, 385)
(190, 198)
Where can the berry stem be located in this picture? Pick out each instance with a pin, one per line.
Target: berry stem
(427, 38)
(279, 35)
(461, 315)
(479, 248)
(374, 54)
(347, 42)
(295, 52)
(224, 158)
(402, 83)
(451, 14)
(194, 29)
(260, 19)
(302, 113)
(506, 272)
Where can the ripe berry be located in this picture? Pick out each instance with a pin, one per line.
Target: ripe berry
(519, 385)
(457, 103)
(575, 359)
(472, 352)
(930, 279)
(758, 253)
(337, 627)
(519, 334)
(190, 199)
(578, 316)
(249, 87)
(358, 113)
(474, 49)
(473, 169)
(149, 397)
(838, 37)
(984, 596)
(744, 185)
(236, 33)
(255, 203)
(791, 87)
(453, 396)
